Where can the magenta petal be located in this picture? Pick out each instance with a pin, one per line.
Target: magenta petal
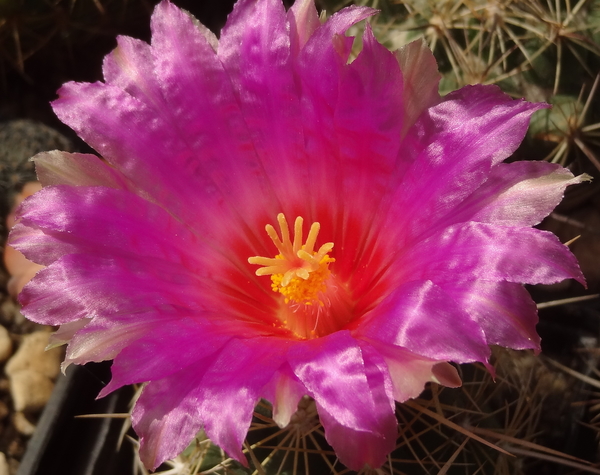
(422, 318)
(204, 116)
(496, 253)
(166, 415)
(368, 144)
(180, 343)
(93, 285)
(85, 215)
(455, 145)
(150, 149)
(231, 387)
(355, 448)
(319, 68)
(333, 371)
(219, 393)
(179, 133)
(368, 141)
(256, 37)
(504, 310)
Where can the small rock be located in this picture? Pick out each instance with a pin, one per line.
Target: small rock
(31, 355)
(5, 344)
(3, 465)
(15, 449)
(22, 424)
(30, 390)
(10, 310)
(18, 266)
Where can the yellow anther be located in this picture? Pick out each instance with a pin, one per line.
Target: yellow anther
(297, 272)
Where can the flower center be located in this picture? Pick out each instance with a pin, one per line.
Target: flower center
(298, 272)
(314, 302)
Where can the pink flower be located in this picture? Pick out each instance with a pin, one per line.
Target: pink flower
(411, 248)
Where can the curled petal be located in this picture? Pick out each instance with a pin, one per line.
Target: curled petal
(334, 369)
(66, 332)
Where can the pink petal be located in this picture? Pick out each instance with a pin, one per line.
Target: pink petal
(206, 115)
(66, 332)
(255, 38)
(304, 21)
(410, 372)
(518, 194)
(320, 66)
(150, 150)
(421, 80)
(285, 392)
(367, 119)
(219, 393)
(93, 285)
(175, 126)
(130, 67)
(78, 169)
(105, 337)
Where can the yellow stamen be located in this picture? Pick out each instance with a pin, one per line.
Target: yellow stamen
(297, 272)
